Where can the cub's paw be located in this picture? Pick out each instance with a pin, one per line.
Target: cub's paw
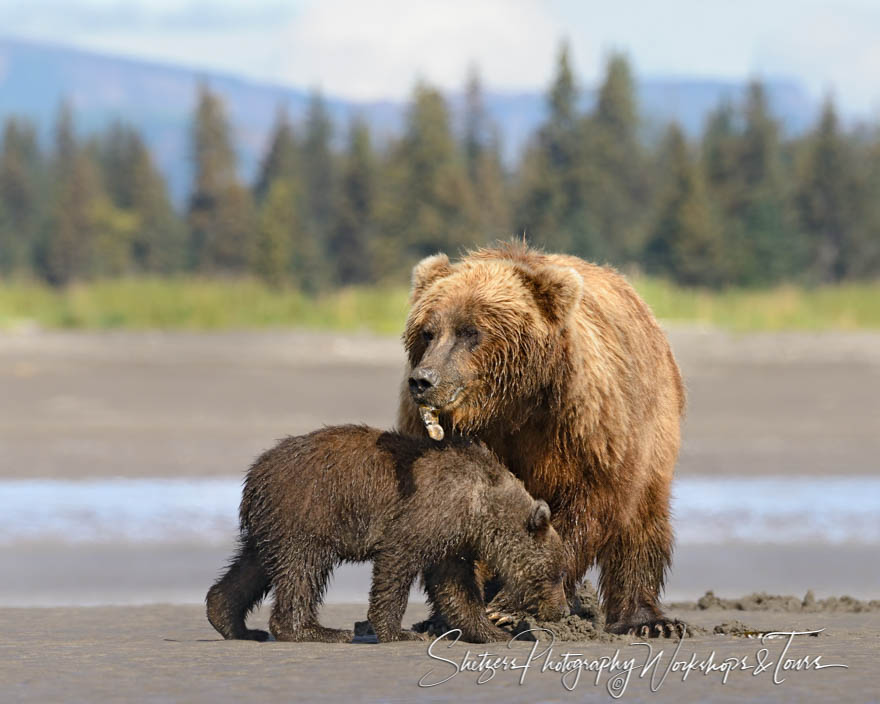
(659, 627)
(501, 618)
(500, 610)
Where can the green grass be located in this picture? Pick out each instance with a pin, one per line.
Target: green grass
(843, 307)
(202, 304)
(198, 304)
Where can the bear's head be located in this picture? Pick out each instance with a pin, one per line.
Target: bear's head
(532, 567)
(485, 336)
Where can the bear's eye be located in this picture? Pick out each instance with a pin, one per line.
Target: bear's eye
(468, 332)
(427, 335)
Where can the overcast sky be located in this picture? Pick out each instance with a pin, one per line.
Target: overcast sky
(368, 49)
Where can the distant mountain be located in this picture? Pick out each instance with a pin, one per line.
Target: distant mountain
(159, 100)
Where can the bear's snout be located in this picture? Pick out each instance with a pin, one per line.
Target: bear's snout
(556, 606)
(421, 382)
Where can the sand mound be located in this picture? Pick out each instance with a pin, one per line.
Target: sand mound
(761, 601)
(587, 623)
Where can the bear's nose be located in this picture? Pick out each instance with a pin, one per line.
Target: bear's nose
(421, 381)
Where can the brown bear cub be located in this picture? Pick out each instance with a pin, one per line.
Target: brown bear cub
(352, 493)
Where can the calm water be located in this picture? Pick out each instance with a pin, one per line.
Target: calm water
(832, 511)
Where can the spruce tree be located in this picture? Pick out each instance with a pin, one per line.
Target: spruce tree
(825, 198)
(20, 198)
(551, 207)
(350, 245)
(221, 216)
(282, 159)
(770, 248)
(427, 204)
(319, 170)
(66, 252)
(686, 242)
(614, 170)
(135, 186)
(275, 234)
(720, 153)
(481, 145)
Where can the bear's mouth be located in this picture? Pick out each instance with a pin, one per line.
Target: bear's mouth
(451, 402)
(429, 413)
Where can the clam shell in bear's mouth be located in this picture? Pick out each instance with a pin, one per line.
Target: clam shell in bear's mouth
(432, 423)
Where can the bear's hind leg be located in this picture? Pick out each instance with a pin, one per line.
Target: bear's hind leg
(298, 595)
(633, 567)
(232, 597)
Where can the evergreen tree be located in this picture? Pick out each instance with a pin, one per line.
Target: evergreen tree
(477, 132)
(769, 247)
(66, 249)
(551, 206)
(275, 235)
(427, 204)
(863, 256)
(685, 244)
(482, 151)
(221, 209)
(742, 158)
(720, 147)
(20, 201)
(825, 198)
(282, 160)
(614, 170)
(135, 186)
(350, 245)
(318, 166)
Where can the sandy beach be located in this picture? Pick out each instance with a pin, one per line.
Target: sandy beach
(80, 404)
(111, 617)
(170, 653)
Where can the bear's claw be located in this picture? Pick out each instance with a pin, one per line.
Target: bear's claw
(657, 628)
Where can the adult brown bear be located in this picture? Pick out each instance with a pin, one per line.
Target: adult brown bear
(561, 368)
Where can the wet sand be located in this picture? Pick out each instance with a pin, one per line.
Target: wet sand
(171, 404)
(170, 653)
(53, 574)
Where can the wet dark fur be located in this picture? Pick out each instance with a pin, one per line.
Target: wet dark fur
(352, 493)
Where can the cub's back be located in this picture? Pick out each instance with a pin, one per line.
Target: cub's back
(318, 483)
(346, 484)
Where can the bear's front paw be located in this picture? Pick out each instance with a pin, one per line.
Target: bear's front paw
(659, 627)
(500, 609)
(501, 618)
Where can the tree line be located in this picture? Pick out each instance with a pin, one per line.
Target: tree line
(742, 205)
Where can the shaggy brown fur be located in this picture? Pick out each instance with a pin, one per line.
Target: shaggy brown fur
(561, 368)
(352, 493)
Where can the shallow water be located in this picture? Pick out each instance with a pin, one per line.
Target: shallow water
(729, 510)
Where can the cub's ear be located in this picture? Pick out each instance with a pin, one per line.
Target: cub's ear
(427, 272)
(556, 289)
(539, 519)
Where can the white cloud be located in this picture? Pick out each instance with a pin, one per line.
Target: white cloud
(373, 49)
(377, 49)
(834, 50)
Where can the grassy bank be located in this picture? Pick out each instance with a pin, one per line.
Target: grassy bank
(199, 304)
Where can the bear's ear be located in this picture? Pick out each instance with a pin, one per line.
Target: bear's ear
(539, 519)
(427, 272)
(556, 289)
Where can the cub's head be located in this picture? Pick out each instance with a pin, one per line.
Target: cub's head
(482, 333)
(534, 575)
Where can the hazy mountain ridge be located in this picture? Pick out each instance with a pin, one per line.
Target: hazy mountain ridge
(159, 99)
